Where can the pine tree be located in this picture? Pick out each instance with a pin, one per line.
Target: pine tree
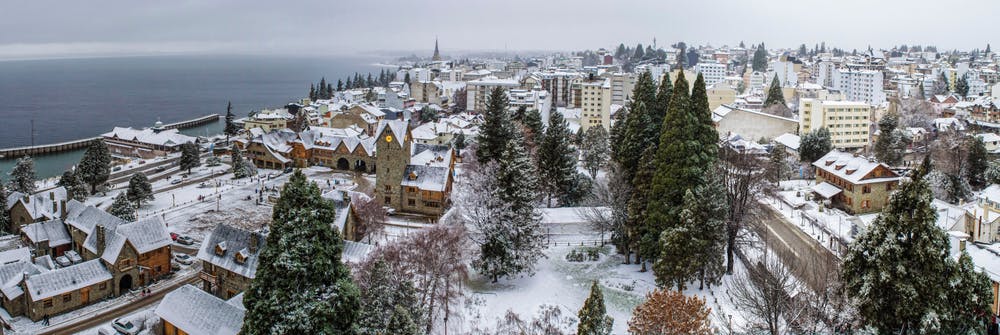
(497, 129)
(663, 93)
(759, 62)
(962, 86)
(777, 166)
(22, 177)
(231, 129)
(301, 286)
(406, 78)
(921, 94)
(402, 323)
(637, 221)
(708, 136)
(693, 248)
(977, 162)
(321, 87)
(382, 291)
(5, 220)
(190, 156)
(594, 319)
(122, 208)
(312, 92)
(76, 189)
(95, 166)
(815, 145)
(640, 131)
(595, 150)
(774, 94)
(458, 142)
(889, 148)
(640, 53)
(556, 159)
(139, 189)
(340, 85)
(968, 304)
(535, 128)
(239, 164)
(897, 270)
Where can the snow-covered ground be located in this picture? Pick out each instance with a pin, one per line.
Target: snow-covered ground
(799, 206)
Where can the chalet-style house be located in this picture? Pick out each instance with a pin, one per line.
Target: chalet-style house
(410, 177)
(42, 206)
(145, 143)
(188, 310)
(856, 184)
(340, 148)
(229, 257)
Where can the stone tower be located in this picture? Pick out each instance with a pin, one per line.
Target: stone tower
(392, 155)
(437, 54)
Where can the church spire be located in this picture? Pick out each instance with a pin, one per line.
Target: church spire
(437, 54)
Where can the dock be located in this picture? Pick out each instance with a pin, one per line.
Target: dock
(52, 148)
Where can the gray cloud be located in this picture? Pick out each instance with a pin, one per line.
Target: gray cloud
(48, 28)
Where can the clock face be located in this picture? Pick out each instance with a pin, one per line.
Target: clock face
(388, 138)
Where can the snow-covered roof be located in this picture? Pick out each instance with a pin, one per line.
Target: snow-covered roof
(234, 239)
(398, 128)
(67, 279)
(356, 252)
(789, 140)
(15, 255)
(144, 235)
(988, 137)
(854, 169)
(826, 190)
(42, 205)
(430, 167)
(165, 137)
(197, 312)
(11, 276)
(52, 231)
(84, 217)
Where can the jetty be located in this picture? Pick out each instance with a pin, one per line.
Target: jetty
(45, 149)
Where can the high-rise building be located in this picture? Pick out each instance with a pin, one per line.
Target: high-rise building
(713, 72)
(595, 103)
(860, 85)
(847, 121)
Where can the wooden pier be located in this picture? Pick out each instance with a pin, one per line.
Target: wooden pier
(45, 149)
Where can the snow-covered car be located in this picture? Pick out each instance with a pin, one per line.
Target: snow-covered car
(183, 259)
(73, 256)
(175, 181)
(63, 261)
(185, 240)
(125, 327)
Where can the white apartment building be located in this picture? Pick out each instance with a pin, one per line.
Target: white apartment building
(539, 100)
(786, 71)
(595, 104)
(860, 85)
(756, 81)
(477, 91)
(713, 72)
(848, 121)
(824, 73)
(622, 85)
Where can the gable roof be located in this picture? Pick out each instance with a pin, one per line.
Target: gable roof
(197, 312)
(144, 235)
(853, 169)
(67, 279)
(42, 205)
(11, 276)
(84, 217)
(52, 231)
(235, 240)
(397, 127)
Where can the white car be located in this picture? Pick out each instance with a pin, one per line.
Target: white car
(63, 261)
(175, 181)
(125, 327)
(183, 259)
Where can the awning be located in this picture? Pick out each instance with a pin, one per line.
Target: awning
(826, 190)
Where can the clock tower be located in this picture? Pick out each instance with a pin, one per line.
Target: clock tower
(392, 155)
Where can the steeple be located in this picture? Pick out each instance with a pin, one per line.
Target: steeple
(437, 54)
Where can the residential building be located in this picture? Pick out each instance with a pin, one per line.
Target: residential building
(595, 102)
(42, 206)
(478, 91)
(64, 289)
(531, 99)
(229, 258)
(188, 310)
(719, 94)
(856, 184)
(558, 83)
(268, 120)
(622, 85)
(848, 121)
(751, 124)
(344, 149)
(712, 72)
(860, 85)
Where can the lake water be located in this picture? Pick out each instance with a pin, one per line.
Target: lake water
(70, 99)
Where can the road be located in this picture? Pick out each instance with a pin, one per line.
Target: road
(806, 256)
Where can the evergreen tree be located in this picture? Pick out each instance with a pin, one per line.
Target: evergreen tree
(693, 248)
(889, 148)
(340, 85)
(95, 166)
(139, 189)
(663, 93)
(941, 85)
(22, 177)
(594, 319)
(556, 159)
(640, 131)
(122, 208)
(77, 190)
(190, 156)
(497, 129)
(514, 242)
(977, 162)
(231, 129)
(618, 136)
(968, 304)
(312, 92)
(637, 221)
(458, 142)
(962, 86)
(640, 53)
(815, 145)
(5, 220)
(708, 136)
(777, 166)
(774, 94)
(898, 270)
(402, 323)
(535, 128)
(621, 53)
(382, 291)
(921, 94)
(240, 169)
(595, 149)
(759, 62)
(301, 286)
(406, 78)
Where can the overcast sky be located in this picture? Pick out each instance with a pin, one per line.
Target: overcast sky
(46, 28)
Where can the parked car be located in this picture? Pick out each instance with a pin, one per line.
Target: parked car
(183, 259)
(174, 236)
(161, 168)
(125, 327)
(116, 168)
(174, 266)
(63, 261)
(288, 170)
(175, 181)
(107, 331)
(73, 256)
(185, 240)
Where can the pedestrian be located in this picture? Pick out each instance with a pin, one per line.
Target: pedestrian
(45, 320)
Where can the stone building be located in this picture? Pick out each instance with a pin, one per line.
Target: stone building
(145, 143)
(856, 184)
(65, 289)
(414, 178)
(340, 148)
(189, 310)
(229, 257)
(42, 206)
(136, 253)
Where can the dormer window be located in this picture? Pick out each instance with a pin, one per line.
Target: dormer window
(220, 249)
(241, 257)
(413, 175)
(839, 166)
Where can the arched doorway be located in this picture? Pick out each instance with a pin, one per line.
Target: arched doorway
(343, 164)
(125, 284)
(360, 165)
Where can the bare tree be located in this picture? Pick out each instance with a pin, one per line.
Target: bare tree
(435, 260)
(548, 321)
(743, 175)
(371, 217)
(766, 294)
(608, 211)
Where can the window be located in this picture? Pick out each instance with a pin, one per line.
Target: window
(866, 189)
(388, 188)
(388, 200)
(47, 303)
(103, 286)
(411, 202)
(67, 297)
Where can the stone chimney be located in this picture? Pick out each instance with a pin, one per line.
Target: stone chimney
(63, 214)
(101, 238)
(254, 242)
(52, 196)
